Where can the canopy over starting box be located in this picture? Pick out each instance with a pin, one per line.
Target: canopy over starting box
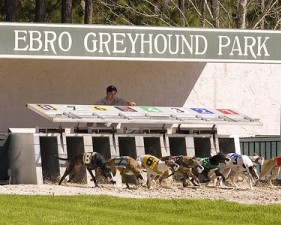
(140, 115)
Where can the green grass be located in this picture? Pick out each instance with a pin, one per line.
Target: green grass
(19, 209)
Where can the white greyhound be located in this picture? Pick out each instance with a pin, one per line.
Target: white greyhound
(155, 166)
(240, 165)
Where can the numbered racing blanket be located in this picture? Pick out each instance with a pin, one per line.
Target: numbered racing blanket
(122, 162)
(151, 162)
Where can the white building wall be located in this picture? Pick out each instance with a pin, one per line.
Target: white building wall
(252, 89)
(84, 82)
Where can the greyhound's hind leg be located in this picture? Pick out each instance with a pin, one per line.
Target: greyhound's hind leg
(69, 169)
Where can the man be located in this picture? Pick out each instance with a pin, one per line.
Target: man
(111, 98)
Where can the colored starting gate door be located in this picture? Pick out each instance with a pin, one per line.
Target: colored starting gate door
(140, 114)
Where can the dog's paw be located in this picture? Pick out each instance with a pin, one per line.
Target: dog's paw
(141, 181)
(113, 182)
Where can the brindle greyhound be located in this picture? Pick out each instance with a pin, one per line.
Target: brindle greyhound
(186, 164)
(92, 161)
(125, 165)
(155, 166)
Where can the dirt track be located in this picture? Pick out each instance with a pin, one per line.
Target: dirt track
(260, 195)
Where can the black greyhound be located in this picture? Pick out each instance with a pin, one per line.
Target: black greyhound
(211, 164)
(92, 161)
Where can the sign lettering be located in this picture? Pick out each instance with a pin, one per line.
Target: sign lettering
(137, 43)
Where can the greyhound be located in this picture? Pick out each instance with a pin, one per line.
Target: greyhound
(242, 165)
(92, 161)
(273, 165)
(212, 165)
(125, 165)
(234, 175)
(155, 166)
(186, 164)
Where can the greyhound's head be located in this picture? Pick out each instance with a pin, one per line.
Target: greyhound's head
(220, 158)
(106, 170)
(171, 163)
(227, 161)
(257, 160)
(190, 162)
(140, 178)
(199, 168)
(193, 163)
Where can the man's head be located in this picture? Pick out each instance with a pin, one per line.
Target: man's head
(111, 92)
(111, 88)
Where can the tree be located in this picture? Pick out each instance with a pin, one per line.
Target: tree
(40, 11)
(250, 14)
(265, 14)
(215, 12)
(88, 17)
(202, 9)
(181, 5)
(241, 14)
(66, 11)
(10, 10)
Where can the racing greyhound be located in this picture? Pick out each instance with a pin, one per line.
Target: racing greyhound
(92, 161)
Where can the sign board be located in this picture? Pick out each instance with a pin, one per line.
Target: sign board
(105, 42)
(139, 114)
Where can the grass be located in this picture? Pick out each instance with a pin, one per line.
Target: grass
(22, 209)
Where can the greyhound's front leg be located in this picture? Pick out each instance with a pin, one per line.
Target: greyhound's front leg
(163, 176)
(219, 174)
(149, 179)
(124, 179)
(93, 177)
(184, 182)
(274, 174)
(250, 181)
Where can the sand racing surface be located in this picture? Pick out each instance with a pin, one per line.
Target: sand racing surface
(260, 195)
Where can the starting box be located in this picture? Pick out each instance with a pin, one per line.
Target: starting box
(116, 131)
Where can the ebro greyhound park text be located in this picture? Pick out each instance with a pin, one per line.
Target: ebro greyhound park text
(118, 43)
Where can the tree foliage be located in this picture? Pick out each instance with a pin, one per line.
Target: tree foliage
(252, 14)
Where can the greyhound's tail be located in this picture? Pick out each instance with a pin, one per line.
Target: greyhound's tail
(65, 159)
